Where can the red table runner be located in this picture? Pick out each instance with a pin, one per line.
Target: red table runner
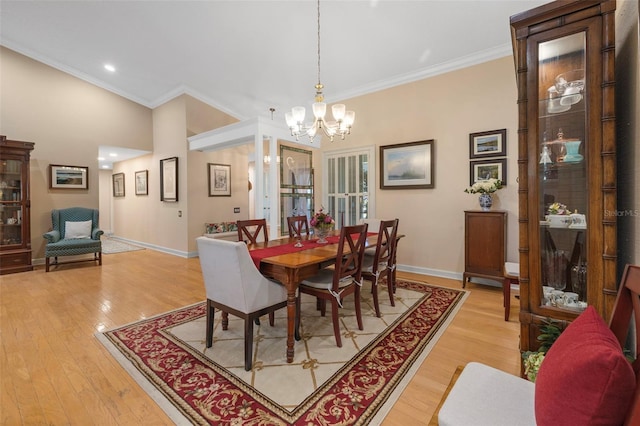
(258, 254)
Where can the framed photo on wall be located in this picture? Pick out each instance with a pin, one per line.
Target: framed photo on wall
(169, 180)
(488, 144)
(68, 177)
(219, 180)
(407, 165)
(488, 169)
(141, 182)
(118, 184)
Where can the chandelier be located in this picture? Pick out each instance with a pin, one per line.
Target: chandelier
(342, 119)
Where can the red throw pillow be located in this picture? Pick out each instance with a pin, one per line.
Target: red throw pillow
(584, 378)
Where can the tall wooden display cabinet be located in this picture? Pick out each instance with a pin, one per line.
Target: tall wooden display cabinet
(15, 206)
(564, 56)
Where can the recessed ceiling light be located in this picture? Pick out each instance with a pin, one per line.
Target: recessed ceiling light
(105, 166)
(109, 68)
(100, 158)
(113, 154)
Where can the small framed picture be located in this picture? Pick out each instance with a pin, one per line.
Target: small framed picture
(488, 144)
(141, 182)
(407, 165)
(169, 179)
(68, 177)
(219, 180)
(488, 169)
(118, 184)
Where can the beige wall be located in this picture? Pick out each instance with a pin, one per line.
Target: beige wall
(445, 108)
(67, 119)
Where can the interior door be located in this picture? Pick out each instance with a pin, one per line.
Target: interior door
(347, 183)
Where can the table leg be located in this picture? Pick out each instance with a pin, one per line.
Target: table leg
(291, 319)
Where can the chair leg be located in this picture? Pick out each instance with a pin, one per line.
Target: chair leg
(358, 307)
(506, 297)
(336, 321)
(272, 318)
(46, 264)
(374, 292)
(391, 286)
(323, 307)
(100, 258)
(248, 343)
(210, 312)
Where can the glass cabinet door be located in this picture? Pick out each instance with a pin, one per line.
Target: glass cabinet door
(11, 202)
(562, 171)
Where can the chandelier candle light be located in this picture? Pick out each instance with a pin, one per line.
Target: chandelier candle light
(343, 119)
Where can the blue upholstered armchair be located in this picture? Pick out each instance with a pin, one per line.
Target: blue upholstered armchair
(75, 232)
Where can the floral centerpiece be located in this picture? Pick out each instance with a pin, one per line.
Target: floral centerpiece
(485, 188)
(559, 208)
(488, 186)
(322, 223)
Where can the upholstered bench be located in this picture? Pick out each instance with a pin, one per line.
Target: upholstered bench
(222, 230)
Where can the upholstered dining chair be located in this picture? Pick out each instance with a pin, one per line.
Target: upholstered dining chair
(344, 279)
(381, 261)
(249, 230)
(584, 378)
(75, 231)
(298, 225)
(234, 285)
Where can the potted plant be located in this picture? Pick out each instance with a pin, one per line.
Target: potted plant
(533, 359)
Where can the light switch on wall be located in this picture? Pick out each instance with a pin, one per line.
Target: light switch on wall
(236, 209)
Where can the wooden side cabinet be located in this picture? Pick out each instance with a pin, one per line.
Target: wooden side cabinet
(15, 206)
(485, 242)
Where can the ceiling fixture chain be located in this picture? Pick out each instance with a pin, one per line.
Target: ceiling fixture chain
(343, 120)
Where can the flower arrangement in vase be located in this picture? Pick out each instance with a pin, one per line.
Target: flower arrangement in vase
(322, 223)
(485, 188)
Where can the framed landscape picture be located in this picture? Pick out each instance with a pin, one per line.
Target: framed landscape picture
(169, 179)
(488, 144)
(68, 177)
(219, 180)
(488, 169)
(118, 184)
(407, 165)
(141, 182)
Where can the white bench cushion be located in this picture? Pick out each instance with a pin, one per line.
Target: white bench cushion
(485, 396)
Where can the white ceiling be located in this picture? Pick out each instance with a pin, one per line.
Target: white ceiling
(244, 57)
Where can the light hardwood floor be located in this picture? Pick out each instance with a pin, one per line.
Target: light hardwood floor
(54, 371)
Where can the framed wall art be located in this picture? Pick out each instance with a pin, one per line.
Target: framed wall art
(118, 184)
(219, 180)
(169, 180)
(68, 177)
(488, 169)
(407, 165)
(488, 144)
(141, 182)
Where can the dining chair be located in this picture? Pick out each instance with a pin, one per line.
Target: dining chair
(344, 279)
(298, 225)
(250, 229)
(381, 261)
(234, 285)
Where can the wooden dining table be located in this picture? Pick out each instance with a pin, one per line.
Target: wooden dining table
(281, 260)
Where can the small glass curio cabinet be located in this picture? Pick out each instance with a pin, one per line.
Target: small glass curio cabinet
(564, 55)
(15, 229)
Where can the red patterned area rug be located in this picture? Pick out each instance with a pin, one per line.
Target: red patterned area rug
(325, 385)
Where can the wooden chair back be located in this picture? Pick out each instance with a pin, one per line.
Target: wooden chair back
(249, 230)
(298, 225)
(625, 310)
(350, 254)
(383, 257)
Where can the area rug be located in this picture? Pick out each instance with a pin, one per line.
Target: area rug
(111, 246)
(326, 385)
